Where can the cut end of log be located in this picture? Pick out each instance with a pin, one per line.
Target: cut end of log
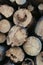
(6, 10)
(17, 36)
(22, 17)
(39, 59)
(40, 7)
(16, 54)
(4, 26)
(33, 46)
(20, 2)
(30, 8)
(2, 38)
(12, 1)
(39, 28)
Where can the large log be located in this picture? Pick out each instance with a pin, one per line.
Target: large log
(16, 36)
(23, 17)
(33, 46)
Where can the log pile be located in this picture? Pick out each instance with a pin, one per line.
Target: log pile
(21, 32)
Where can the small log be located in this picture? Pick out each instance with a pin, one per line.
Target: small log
(16, 54)
(12, 1)
(20, 2)
(16, 36)
(6, 10)
(4, 26)
(23, 18)
(39, 59)
(2, 38)
(40, 7)
(30, 8)
(33, 46)
(39, 28)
